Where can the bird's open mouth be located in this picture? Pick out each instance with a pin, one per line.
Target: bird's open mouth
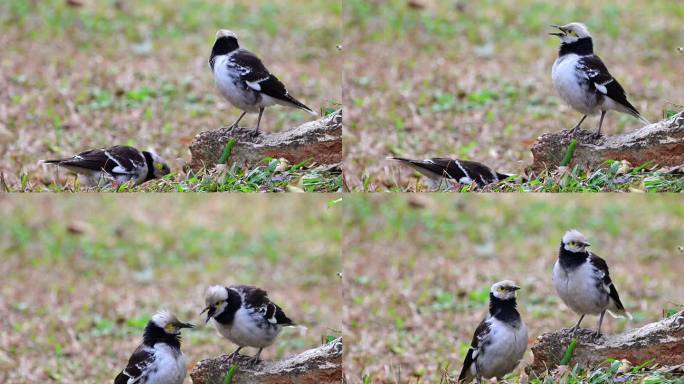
(210, 312)
(559, 34)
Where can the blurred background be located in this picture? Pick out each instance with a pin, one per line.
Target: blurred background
(418, 269)
(472, 80)
(82, 275)
(81, 74)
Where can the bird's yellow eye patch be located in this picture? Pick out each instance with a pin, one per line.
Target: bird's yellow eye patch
(169, 327)
(573, 33)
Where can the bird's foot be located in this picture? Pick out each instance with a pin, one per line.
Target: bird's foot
(255, 133)
(254, 361)
(574, 130)
(233, 355)
(597, 334)
(597, 135)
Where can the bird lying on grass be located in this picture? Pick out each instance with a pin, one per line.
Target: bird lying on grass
(463, 171)
(118, 164)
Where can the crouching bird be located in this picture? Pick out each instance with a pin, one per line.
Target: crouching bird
(245, 315)
(500, 340)
(158, 360)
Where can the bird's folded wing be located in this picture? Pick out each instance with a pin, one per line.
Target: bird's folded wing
(603, 82)
(118, 159)
(256, 76)
(481, 334)
(602, 266)
(137, 364)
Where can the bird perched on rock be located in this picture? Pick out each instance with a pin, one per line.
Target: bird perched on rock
(118, 164)
(244, 81)
(500, 340)
(582, 281)
(583, 81)
(245, 315)
(463, 171)
(158, 360)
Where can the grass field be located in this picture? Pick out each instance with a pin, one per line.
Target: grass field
(418, 271)
(136, 73)
(82, 276)
(434, 78)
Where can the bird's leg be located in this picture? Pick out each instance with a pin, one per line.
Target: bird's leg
(235, 124)
(576, 327)
(576, 127)
(255, 360)
(597, 334)
(598, 134)
(256, 132)
(235, 353)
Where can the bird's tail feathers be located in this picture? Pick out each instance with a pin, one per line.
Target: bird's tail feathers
(298, 104)
(619, 313)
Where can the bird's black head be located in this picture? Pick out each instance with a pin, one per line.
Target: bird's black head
(226, 42)
(164, 327)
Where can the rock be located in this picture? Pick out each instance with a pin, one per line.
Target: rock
(319, 365)
(319, 140)
(662, 142)
(661, 342)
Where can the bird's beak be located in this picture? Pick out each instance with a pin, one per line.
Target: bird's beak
(514, 288)
(586, 244)
(559, 34)
(210, 314)
(184, 325)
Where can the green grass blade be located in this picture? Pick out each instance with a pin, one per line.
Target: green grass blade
(568, 352)
(229, 375)
(568, 153)
(227, 150)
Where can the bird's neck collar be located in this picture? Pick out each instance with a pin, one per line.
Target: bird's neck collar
(571, 260)
(222, 46)
(153, 334)
(580, 47)
(504, 310)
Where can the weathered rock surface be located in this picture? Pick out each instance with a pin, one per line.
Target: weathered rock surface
(320, 365)
(662, 342)
(662, 142)
(319, 140)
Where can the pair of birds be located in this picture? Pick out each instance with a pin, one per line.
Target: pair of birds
(582, 281)
(240, 77)
(580, 78)
(242, 314)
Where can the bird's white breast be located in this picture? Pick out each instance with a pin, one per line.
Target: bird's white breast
(569, 85)
(579, 288)
(504, 348)
(169, 366)
(249, 329)
(232, 88)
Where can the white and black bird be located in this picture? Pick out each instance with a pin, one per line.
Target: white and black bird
(245, 315)
(118, 164)
(158, 360)
(465, 172)
(582, 281)
(244, 81)
(583, 81)
(500, 340)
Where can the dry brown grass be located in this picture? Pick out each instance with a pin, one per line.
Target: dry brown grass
(81, 276)
(136, 73)
(472, 80)
(418, 270)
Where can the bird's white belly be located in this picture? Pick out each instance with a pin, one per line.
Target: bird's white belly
(244, 331)
(231, 87)
(569, 86)
(578, 289)
(168, 369)
(505, 350)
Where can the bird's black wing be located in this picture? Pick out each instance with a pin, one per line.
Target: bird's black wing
(455, 169)
(258, 298)
(114, 160)
(603, 82)
(602, 266)
(137, 364)
(256, 76)
(481, 332)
